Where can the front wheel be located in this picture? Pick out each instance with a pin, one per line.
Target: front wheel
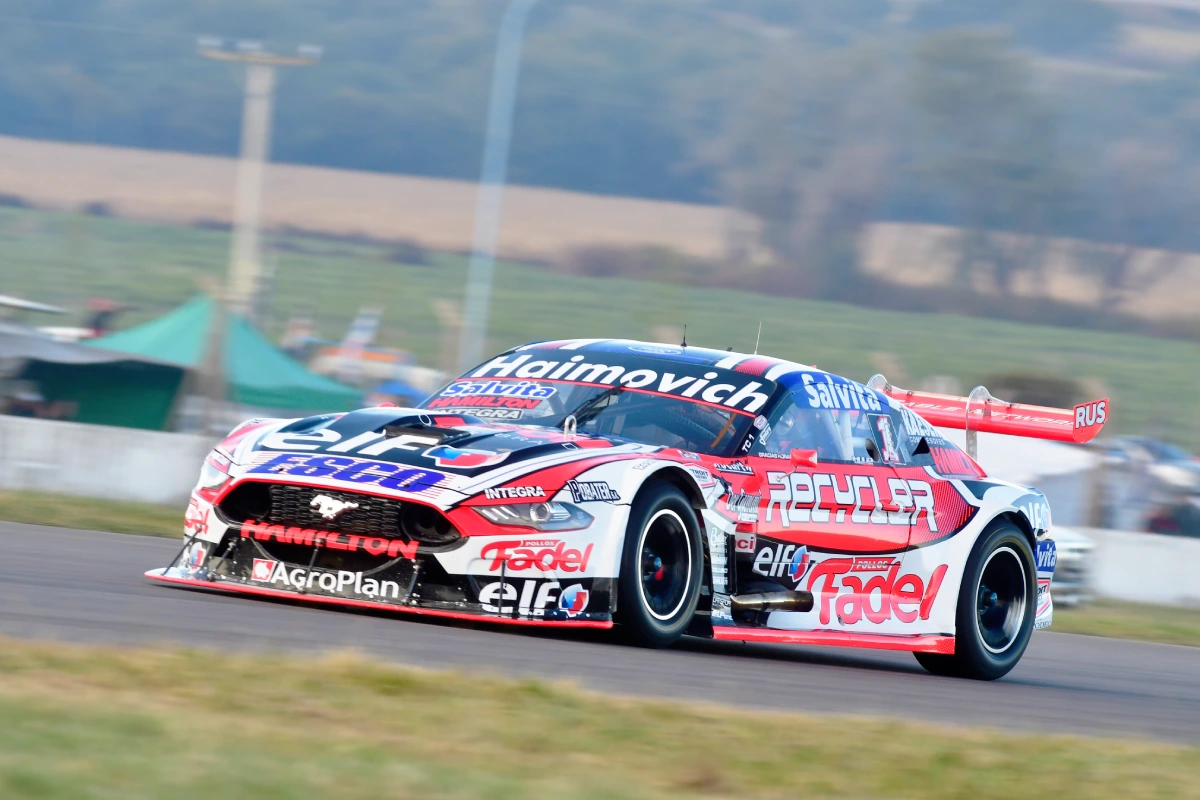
(661, 567)
(996, 607)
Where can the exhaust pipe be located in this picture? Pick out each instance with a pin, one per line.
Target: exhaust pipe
(772, 601)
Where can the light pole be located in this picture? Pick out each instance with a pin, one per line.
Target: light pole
(490, 197)
(245, 257)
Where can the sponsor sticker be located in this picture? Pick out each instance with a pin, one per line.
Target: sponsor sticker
(778, 561)
(853, 597)
(342, 582)
(308, 537)
(532, 598)
(734, 468)
(498, 389)
(744, 542)
(195, 558)
(718, 387)
(460, 458)
(861, 499)
(541, 555)
(593, 492)
(509, 414)
(262, 569)
(1047, 555)
(397, 477)
(514, 492)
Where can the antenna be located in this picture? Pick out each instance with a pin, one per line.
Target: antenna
(758, 338)
(684, 343)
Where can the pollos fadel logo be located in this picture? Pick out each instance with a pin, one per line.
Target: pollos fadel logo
(887, 594)
(543, 555)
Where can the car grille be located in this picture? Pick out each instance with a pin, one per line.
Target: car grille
(297, 506)
(374, 516)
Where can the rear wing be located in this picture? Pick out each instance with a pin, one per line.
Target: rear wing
(981, 412)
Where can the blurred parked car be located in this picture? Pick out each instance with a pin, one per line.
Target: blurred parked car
(1173, 466)
(1072, 575)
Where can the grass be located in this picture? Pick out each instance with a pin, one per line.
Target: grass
(101, 723)
(1140, 621)
(63, 258)
(84, 513)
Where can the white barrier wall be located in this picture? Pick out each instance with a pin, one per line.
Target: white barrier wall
(1145, 567)
(99, 461)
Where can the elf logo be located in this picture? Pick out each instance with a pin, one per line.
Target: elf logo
(531, 598)
(777, 561)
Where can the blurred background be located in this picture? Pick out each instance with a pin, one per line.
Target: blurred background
(216, 209)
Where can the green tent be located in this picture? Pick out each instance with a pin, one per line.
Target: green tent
(256, 372)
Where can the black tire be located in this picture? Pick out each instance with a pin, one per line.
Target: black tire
(661, 568)
(996, 607)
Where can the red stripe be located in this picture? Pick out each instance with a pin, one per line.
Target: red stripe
(337, 601)
(757, 365)
(931, 643)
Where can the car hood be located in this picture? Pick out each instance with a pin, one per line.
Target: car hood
(456, 443)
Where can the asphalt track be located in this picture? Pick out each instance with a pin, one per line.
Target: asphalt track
(80, 586)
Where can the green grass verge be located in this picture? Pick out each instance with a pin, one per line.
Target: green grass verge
(102, 723)
(1143, 622)
(55, 257)
(66, 511)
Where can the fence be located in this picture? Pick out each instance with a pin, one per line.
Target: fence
(99, 461)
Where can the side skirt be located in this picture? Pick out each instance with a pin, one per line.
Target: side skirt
(927, 643)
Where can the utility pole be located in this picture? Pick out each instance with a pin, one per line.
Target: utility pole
(491, 181)
(245, 257)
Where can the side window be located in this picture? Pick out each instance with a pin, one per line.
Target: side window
(838, 435)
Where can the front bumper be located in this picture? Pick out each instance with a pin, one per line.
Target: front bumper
(393, 575)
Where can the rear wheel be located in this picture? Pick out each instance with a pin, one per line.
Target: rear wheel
(996, 608)
(661, 567)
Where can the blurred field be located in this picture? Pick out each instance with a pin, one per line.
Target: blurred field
(1139, 621)
(91, 723)
(84, 513)
(539, 224)
(185, 189)
(55, 257)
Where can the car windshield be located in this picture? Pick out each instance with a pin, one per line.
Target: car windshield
(649, 406)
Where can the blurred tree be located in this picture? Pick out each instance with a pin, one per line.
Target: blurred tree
(808, 154)
(989, 142)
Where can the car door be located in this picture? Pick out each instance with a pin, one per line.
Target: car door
(833, 515)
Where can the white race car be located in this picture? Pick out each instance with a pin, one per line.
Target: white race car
(666, 490)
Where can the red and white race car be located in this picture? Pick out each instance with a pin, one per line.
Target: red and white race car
(667, 490)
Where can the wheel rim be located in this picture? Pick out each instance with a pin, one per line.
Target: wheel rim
(1001, 599)
(664, 564)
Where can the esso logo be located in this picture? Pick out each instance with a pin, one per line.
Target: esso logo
(541, 555)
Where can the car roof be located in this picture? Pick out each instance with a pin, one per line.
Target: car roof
(749, 364)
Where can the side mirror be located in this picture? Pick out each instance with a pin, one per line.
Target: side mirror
(804, 458)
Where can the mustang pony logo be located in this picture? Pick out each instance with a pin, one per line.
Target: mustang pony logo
(330, 508)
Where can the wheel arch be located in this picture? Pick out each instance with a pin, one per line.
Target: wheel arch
(679, 478)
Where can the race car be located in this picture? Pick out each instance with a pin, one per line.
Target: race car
(660, 489)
